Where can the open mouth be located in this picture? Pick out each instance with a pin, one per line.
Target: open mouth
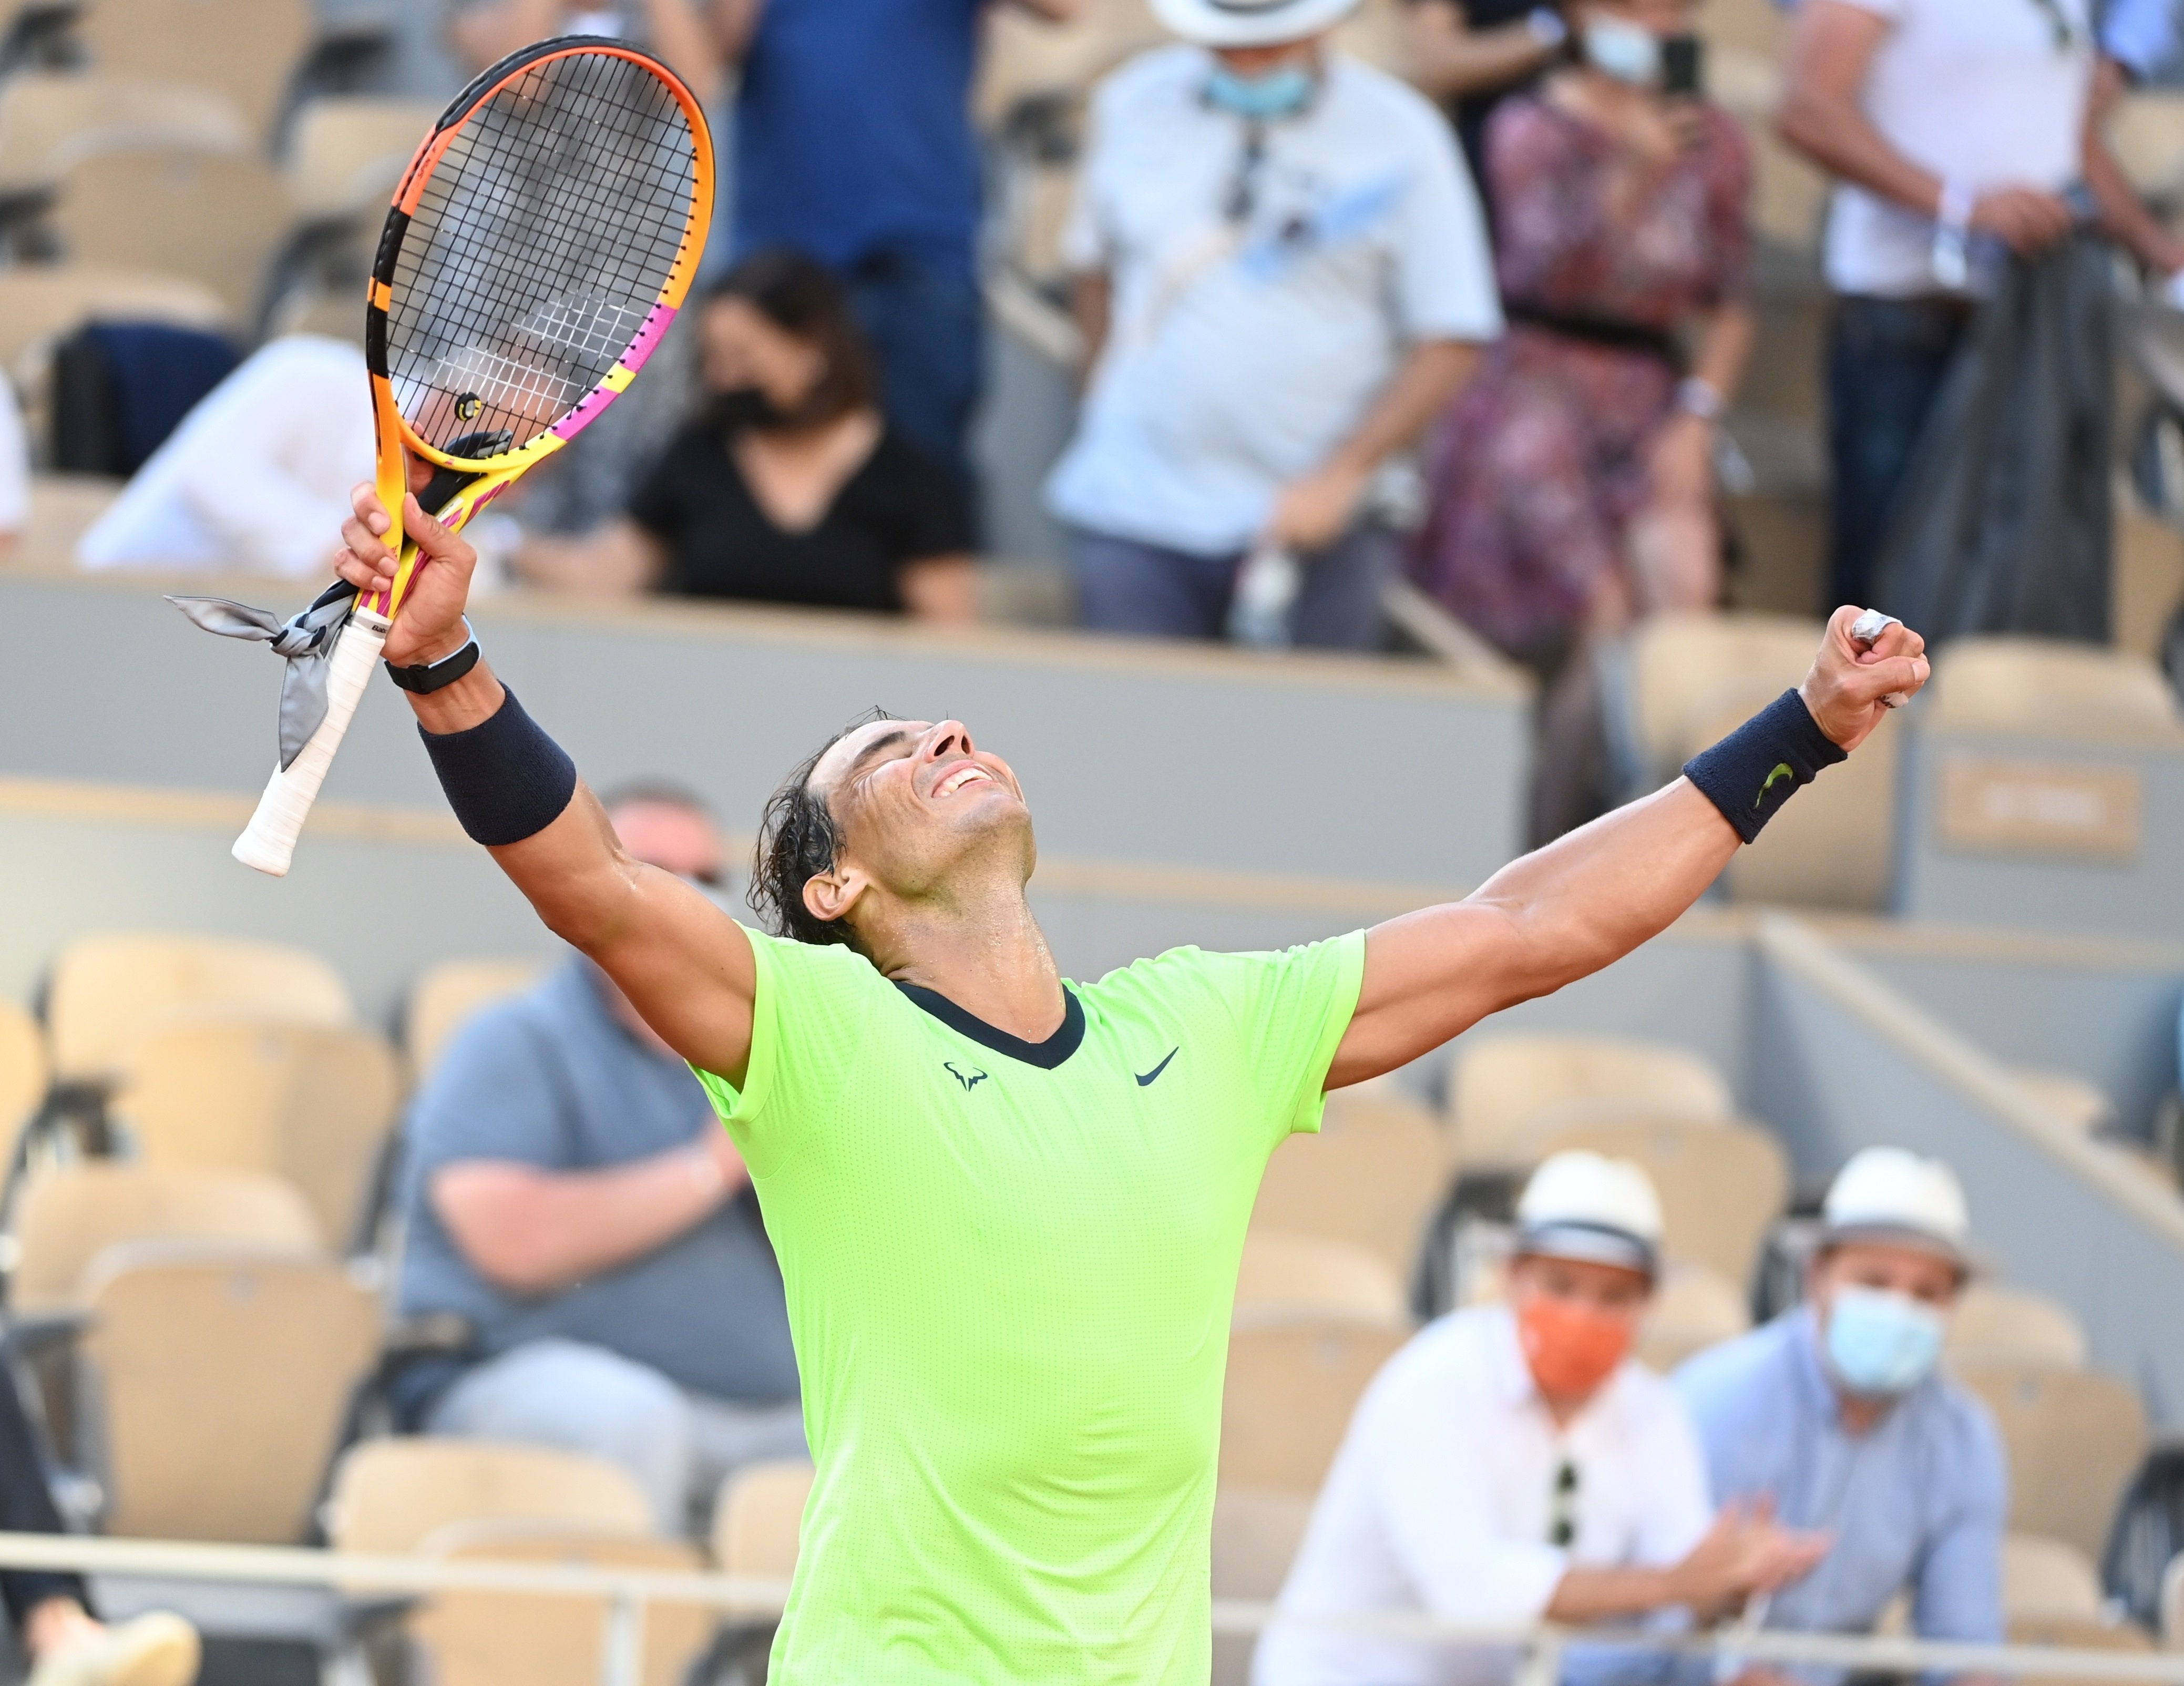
(969, 773)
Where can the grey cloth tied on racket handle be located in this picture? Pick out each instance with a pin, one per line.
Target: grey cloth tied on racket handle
(305, 640)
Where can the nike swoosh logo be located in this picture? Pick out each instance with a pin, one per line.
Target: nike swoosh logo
(1782, 770)
(1145, 1077)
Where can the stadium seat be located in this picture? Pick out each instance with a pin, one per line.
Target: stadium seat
(40, 302)
(1505, 1085)
(1371, 1177)
(49, 122)
(758, 1517)
(482, 1638)
(107, 992)
(22, 1069)
(2039, 686)
(1693, 1308)
(1290, 1390)
(249, 50)
(347, 153)
(2079, 1099)
(62, 507)
(311, 1103)
(392, 1496)
(1293, 1278)
(71, 1215)
(223, 1381)
(2048, 1579)
(1257, 1533)
(214, 217)
(1688, 671)
(447, 995)
(2146, 133)
(1995, 1325)
(2074, 1439)
(1721, 1184)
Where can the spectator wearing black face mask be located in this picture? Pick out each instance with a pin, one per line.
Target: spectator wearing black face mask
(787, 486)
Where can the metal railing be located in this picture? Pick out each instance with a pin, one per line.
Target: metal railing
(629, 1594)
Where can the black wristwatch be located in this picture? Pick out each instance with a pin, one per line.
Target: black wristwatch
(427, 676)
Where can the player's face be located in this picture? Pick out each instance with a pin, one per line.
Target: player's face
(911, 799)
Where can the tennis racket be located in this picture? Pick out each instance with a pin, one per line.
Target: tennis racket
(541, 241)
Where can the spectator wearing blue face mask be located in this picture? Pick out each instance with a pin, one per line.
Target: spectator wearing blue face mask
(1836, 1412)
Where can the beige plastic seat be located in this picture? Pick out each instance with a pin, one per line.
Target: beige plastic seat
(1257, 1533)
(446, 997)
(1289, 1278)
(1372, 1177)
(62, 507)
(481, 1638)
(1507, 1084)
(70, 1217)
(247, 50)
(311, 1103)
(2074, 1439)
(223, 1381)
(2146, 133)
(107, 992)
(2048, 689)
(49, 122)
(214, 217)
(22, 1069)
(2083, 1102)
(1834, 847)
(39, 303)
(1721, 1184)
(1689, 671)
(392, 1496)
(1995, 1325)
(347, 153)
(1290, 1390)
(758, 1516)
(1693, 1308)
(2048, 1579)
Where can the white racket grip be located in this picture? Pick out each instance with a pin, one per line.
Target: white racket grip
(269, 842)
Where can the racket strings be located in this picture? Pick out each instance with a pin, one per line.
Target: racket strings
(539, 247)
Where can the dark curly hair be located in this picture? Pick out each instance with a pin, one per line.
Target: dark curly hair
(796, 842)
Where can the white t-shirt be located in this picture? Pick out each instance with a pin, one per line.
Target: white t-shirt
(1442, 1499)
(1978, 92)
(256, 478)
(14, 463)
(1241, 354)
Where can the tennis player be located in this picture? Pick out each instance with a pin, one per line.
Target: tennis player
(1010, 1210)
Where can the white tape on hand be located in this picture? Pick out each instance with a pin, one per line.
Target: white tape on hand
(269, 842)
(1864, 633)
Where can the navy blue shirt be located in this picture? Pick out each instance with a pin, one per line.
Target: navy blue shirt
(551, 1079)
(853, 132)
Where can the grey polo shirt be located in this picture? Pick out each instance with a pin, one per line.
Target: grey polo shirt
(551, 1079)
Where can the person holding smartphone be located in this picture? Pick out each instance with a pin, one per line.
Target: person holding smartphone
(1572, 481)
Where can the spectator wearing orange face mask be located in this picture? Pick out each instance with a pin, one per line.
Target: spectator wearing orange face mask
(1514, 1464)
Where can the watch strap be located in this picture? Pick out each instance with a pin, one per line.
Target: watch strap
(427, 676)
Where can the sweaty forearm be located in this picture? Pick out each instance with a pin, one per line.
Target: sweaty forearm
(534, 1232)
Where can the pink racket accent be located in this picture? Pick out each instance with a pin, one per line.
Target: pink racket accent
(648, 337)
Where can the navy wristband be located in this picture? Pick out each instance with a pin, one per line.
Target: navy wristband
(504, 777)
(1750, 774)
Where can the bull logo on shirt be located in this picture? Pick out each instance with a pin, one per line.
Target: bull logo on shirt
(970, 1080)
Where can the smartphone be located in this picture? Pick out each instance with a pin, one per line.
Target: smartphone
(1683, 66)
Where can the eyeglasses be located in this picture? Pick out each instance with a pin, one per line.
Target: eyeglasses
(1562, 1526)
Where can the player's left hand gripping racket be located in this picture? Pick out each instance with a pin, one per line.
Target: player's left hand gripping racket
(542, 240)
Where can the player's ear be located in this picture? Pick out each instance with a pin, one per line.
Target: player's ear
(829, 895)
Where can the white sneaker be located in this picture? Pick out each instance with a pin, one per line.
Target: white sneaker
(159, 1649)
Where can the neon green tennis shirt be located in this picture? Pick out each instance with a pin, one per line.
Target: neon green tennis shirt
(1011, 1268)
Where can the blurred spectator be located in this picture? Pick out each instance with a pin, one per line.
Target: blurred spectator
(485, 31)
(853, 141)
(2141, 37)
(256, 476)
(568, 1191)
(1281, 267)
(1573, 480)
(1473, 55)
(1514, 1464)
(789, 488)
(14, 468)
(1954, 128)
(1836, 1413)
(53, 1627)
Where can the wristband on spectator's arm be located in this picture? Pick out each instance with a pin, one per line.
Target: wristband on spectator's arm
(1750, 774)
(504, 777)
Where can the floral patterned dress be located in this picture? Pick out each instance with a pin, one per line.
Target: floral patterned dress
(1539, 463)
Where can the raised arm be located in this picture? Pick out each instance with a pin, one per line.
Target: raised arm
(685, 965)
(1586, 900)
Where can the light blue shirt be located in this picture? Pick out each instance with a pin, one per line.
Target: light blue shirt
(2141, 35)
(1917, 1502)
